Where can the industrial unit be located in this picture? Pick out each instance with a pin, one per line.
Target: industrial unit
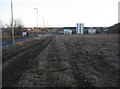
(79, 28)
(92, 31)
(67, 31)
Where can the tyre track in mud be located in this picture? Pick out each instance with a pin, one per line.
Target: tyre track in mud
(89, 66)
(12, 71)
(59, 73)
(53, 65)
(51, 68)
(69, 72)
(78, 67)
(65, 63)
(8, 56)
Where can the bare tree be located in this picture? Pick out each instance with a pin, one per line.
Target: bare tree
(18, 25)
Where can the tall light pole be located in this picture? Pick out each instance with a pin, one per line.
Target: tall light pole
(37, 16)
(12, 22)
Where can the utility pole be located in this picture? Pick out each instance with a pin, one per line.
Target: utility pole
(37, 18)
(12, 22)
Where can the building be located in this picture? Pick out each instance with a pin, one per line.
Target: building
(33, 32)
(24, 34)
(79, 28)
(67, 31)
(92, 31)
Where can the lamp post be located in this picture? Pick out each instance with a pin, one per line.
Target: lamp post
(37, 16)
(12, 22)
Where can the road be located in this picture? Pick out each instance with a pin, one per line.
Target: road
(63, 61)
(9, 43)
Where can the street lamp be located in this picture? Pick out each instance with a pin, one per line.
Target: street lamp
(12, 22)
(37, 16)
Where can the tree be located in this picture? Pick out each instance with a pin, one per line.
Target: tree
(18, 25)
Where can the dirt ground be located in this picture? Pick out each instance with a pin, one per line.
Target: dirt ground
(64, 61)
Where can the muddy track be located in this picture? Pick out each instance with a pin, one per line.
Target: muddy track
(66, 61)
(51, 68)
(54, 65)
(12, 72)
(93, 68)
(8, 56)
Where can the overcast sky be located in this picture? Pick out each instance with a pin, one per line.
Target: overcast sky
(61, 12)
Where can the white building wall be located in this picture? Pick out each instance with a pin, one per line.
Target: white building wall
(24, 33)
(67, 31)
(92, 31)
(79, 28)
